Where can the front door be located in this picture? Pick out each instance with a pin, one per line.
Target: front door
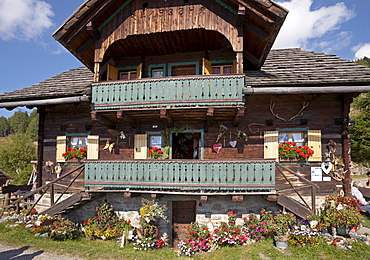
(183, 213)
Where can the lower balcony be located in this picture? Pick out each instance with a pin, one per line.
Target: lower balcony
(182, 175)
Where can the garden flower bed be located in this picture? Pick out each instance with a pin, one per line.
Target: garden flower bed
(252, 228)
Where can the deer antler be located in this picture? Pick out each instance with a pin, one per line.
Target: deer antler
(300, 112)
(272, 105)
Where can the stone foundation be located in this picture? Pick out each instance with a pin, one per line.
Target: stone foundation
(214, 208)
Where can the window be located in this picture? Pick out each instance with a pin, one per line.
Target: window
(295, 137)
(156, 73)
(77, 141)
(127, 75)
(157, 70)
(155, 141)
(272, 139)
(222, 69)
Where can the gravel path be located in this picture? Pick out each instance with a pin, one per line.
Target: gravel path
(24, 253)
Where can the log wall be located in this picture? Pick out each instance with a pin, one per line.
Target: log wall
(320, 114)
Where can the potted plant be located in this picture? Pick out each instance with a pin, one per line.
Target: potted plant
(155, 153)
(291, 151)
(75, 153)
(303, 234)
(341, 213)
(282, 222)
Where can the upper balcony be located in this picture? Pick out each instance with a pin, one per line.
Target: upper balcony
(166, 92)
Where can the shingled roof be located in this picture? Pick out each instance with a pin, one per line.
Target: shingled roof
(285, 68)
(295, 67)
(74, 82)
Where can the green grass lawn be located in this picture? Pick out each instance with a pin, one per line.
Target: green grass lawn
(99, 249)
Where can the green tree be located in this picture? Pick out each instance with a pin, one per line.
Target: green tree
(16, 153)
(33, 126)
(364, 61)
(19, 122)
(4, 126)
(360, 131)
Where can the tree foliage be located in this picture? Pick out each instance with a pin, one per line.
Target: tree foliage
(19, 122)
(33, 126)
(16, 153)
(4, 127)
(17, 145)
(360, 131)
(365, 61)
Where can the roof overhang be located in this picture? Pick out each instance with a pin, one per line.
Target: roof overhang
(44, 102)
(304, 90)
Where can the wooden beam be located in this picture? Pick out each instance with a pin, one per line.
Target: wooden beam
(76, 32)
(203, 198)
(251, 58)
(257, 12)
(241, 13)
(102, 120)
(90, 27)
(239, 115)
(84, 47)
(40, 145)
(124, 116)
(256, 31)
(237, 198)
(163, 114)
(210, 112)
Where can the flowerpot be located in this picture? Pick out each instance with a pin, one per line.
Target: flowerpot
(281, 244)
(343, 231)
(46, 222)
(74, 160)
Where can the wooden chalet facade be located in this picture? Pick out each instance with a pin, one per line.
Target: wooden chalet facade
(198, 80)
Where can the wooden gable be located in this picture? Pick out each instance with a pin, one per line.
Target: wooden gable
(100, 30)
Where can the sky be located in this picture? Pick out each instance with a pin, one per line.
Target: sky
(29, 54)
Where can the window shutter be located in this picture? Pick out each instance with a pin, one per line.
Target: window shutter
(61, 148)
(140, 146)
(314, 140)
(139, 71)
(271, 144)
(234, 67)
(112, 73)
(93, 147)
(206, 67)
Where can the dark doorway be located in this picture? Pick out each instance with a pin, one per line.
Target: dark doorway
(183, 213)
(186, 146)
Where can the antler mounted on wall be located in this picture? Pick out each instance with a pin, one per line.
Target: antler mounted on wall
(299, 114)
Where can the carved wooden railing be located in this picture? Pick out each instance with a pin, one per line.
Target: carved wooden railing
(168, 91)
(204, 175)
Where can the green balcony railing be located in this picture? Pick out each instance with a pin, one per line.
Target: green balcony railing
(182, 175)
(169, 91)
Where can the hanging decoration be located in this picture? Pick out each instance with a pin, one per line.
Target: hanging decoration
(217, 147)
(223, 129)
(242, 135)
(109, 146)
(254, 124)
(326, 167)
(299, 113)
(232, 143)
